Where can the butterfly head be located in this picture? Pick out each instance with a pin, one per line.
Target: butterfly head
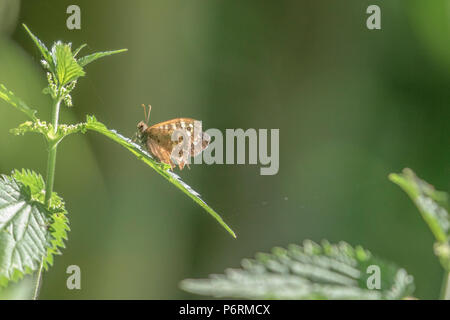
(143, 126)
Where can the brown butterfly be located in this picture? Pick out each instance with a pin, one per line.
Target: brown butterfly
(174, 141)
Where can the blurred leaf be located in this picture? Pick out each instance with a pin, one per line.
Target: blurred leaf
(161, 168)
(9, 12)
(29, 232)
(310, 271)
(432, 204)
(67, 68)
(9, 97)
(22, 290)
(429, 20)
(92, 57)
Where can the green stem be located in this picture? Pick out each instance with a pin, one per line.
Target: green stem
(445, 291)
(51, 162)
(51, 166)
(38, 280)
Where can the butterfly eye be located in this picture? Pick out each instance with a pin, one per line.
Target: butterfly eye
(189, 128)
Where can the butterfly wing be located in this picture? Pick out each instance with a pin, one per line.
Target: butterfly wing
(199, 141)
(160, 144)
(159, 152)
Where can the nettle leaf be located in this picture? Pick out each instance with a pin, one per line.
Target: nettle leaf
(92, 57)
(161, 168)
(43, 49)
(311, 271)
(29, 232)
(432, 204)
(77, 51)
(64, 68)
(59, 225)
(24, 236)
(33, 182)
(16, 102)
(67, 68)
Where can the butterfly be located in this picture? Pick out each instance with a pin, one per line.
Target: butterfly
(174, 141)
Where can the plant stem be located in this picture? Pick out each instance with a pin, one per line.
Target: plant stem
(37, 287)
(445, 291)
(51, 166)
(51, 162)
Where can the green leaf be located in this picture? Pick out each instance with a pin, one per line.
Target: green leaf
(33, 181)
(29, 232)
(24, 236)
(42, 48)
(67, 68)
(59, 223)
(432, 204)
(9, 97)
(92, 57)
(22, 290)
(310, 271)
(64, 67)
(161, 168)
(77, 51)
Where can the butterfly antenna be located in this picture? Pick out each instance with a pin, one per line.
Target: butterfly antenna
(148, 114)
(145, 111)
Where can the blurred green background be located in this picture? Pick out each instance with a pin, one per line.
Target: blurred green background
(352, 105)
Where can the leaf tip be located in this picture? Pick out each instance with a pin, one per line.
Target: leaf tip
(27, 29)
(392, 176)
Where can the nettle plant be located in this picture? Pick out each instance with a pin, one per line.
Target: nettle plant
(34, 223)
(335, 271)
(33, 218)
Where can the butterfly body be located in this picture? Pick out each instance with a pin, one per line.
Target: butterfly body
(164, 139)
